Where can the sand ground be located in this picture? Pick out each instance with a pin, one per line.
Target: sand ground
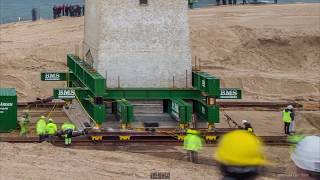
(44, 161)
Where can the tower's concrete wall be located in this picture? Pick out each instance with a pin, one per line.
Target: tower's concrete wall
(139, 45)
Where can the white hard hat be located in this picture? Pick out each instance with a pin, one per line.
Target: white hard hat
(289, 107)
(307, 154)
(244, 121)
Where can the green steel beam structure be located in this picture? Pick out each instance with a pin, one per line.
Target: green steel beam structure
(124, 111)
(180, 110)
(206, 112)
(151, 93)
(89, 87)
(86, 75)
(206, 83)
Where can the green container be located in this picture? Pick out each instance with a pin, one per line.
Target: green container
(8, 110)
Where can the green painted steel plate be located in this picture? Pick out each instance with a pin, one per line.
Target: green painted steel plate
(64, 93)
(53, 76)
(230, 93)
(151, 93)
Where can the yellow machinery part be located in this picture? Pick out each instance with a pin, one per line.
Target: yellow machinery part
(210, 127)
(123, 126)
(211, 138)
(128, 125)
(124, 138)
(96, 138)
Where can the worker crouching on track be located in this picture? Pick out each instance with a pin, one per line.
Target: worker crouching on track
(240, 155)
(192, 143)
(68, 129)
(51, 130)
(306, 157)
(41, 128)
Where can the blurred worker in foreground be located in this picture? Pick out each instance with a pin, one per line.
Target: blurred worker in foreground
(247, 126)
(51, 130)
(192, 143)
(306, 157)
(292, 114)
(41, 128)
(67, 129)
(286, 118)
(240, 155)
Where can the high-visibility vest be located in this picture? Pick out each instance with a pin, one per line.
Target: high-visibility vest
(192, 142)
(41, 127)
(51, 128)
(286, 116)
(66, 126)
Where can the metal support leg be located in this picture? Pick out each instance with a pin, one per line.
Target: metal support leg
(211, 101)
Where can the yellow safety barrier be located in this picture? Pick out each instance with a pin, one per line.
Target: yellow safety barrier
(124, 138)
(96, 138)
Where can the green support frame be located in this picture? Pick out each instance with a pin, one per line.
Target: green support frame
(90, 90)
(180, 110)
(124, 111)
(151, 93)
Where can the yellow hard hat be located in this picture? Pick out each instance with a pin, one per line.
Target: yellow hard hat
(240, 148)
(50, 120)
(42, 117)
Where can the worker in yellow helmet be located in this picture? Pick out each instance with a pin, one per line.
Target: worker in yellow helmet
(247, 126)
(286, 118)
(41, 128)
(51, 130)
(240, 155)
(192, 143)
(68, 129)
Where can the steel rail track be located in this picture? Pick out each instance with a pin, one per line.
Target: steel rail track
(114, 140)
(47, 102)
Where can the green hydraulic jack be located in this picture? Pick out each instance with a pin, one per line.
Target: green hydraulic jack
(89, 88)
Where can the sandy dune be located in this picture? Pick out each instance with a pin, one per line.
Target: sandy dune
(271, 51)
